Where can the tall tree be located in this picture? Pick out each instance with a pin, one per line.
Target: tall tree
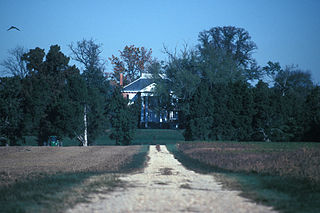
(35, 92)
(241, 106)
(226, 54)
(271, 71)
(200, 118)
(34, 59)
(312, 115)
(182, 78)
(222, 119)
(123, 118)
(166, 99)
(14, 65)
(87, 53)
(291, 88)
(131, 63)
(52, 106)
(11, 113)
(262, 118)
(292, 79)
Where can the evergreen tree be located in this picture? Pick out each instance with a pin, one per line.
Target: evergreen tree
(241, 106)
(312, 116)
(11, 113)
(222, 116)
(200, 118)
(53, 94)
(262, 118)
(67, 110)
(96, 111)
(123, 119)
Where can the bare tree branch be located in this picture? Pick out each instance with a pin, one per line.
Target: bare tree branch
(87, 52)
(14, 65)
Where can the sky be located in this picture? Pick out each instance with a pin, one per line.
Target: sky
(285, 31)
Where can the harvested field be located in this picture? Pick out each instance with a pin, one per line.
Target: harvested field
(282, 175)
(300, 161)
(21, 162)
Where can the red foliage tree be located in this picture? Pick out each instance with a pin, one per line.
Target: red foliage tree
(131, 63)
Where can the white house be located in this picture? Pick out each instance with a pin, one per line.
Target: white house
(150, 117)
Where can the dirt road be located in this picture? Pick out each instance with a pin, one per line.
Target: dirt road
(166, 186)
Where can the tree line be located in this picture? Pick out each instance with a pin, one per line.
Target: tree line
(46, 96)
(222, 94)
(217, 87)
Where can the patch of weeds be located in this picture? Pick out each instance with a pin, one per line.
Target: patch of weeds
(185, 186)
(161, 183)
(191, 209)
(165, 171)
(158, 148)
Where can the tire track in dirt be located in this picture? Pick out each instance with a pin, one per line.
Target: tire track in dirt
(166, 186)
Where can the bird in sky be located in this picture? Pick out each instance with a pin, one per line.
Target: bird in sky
(13, 28)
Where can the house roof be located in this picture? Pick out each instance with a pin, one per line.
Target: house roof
(139, 84)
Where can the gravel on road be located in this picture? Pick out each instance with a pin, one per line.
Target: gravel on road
(166, 186)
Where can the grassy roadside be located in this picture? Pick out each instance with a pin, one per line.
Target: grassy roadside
(58, 192)
(53, 193)
(283, 193)
(138, 161)
(142, 137)
(147, 137)
(157, 136)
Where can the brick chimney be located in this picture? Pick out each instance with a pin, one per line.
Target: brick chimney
(121, 79)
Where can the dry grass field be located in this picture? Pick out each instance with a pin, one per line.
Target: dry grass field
(22, 162)
(296, 160)
(53, 179)
(285, 176)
